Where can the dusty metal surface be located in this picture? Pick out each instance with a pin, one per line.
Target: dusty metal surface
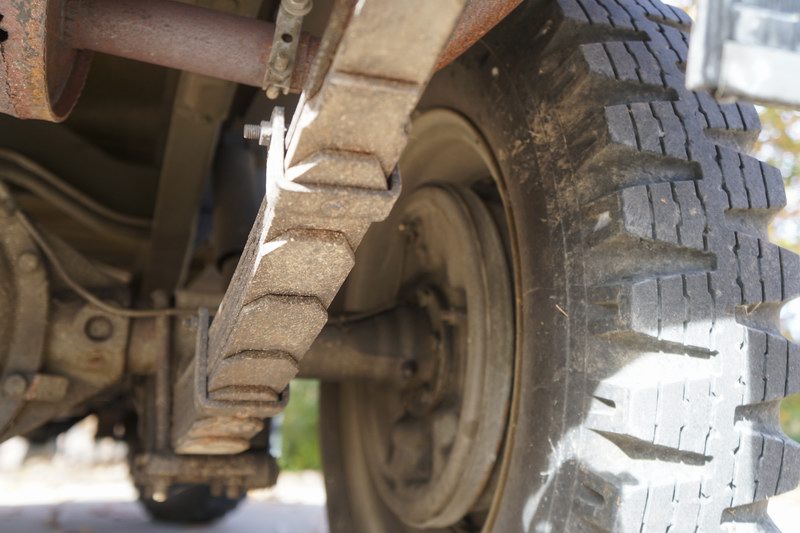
(148, 346)
(455, 267)
(59, 350)
(336, 177)
(391, 347)
(42, 77)
(25, 304)
(478, 18)
(201, 105)
(205, 425)
(73, 350)
(231, 476)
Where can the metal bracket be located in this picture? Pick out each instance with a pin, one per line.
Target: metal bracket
(156, 472)
(334, 176)
(278, 77)
(210, 407)
(213, 426)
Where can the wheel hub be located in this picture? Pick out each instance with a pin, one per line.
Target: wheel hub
(432, 444)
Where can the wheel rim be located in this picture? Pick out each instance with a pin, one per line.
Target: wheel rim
(440, 197)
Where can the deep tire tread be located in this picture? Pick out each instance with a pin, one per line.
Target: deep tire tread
(698, 225)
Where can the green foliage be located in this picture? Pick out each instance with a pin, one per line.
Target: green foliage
(779, 145)
(300, 435)
(790, 416)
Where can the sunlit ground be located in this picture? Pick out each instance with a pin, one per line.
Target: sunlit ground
(79, 487)
(84, 488)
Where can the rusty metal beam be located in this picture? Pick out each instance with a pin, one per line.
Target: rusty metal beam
(222, 45)
(181, 36)
(45, 69)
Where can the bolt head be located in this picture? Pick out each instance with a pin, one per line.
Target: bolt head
(99, 328)
(14, 386)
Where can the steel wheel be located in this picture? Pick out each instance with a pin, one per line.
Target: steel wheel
(429, 450)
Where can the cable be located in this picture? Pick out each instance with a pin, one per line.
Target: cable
(56, 182)
(350, 318)
(79, 289)
(24, 173)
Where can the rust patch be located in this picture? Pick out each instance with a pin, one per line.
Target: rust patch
(478, 17)
(43, 78)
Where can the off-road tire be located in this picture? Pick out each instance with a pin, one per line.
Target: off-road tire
(190, 504)
(651, 365)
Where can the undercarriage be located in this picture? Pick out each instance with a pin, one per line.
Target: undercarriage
(529, 266)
